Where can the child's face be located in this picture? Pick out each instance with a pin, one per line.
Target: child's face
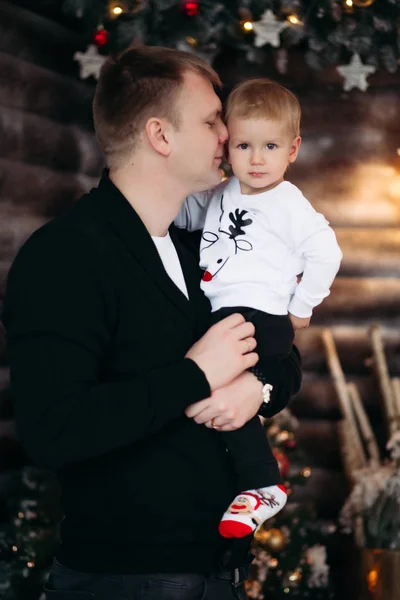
(259, 151)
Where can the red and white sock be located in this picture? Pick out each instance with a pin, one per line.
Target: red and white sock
(250, 509)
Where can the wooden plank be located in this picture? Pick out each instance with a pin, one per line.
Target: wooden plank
(29, 138)
(360, 297)
(318, 439)
(331, 141)
(346, 191)
(15, 228)
(369, 252)
(29, 36)
(327, 489)
(353, 346)
(376, 110)
(317, 397)
(31, 88)
(40, 191)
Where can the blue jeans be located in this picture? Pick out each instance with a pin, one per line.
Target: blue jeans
(68, 584)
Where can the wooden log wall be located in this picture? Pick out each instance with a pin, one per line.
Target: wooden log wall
(48, 157)
(348, 168)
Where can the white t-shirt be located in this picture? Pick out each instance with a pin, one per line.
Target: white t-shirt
(170, 260)
(254, 246)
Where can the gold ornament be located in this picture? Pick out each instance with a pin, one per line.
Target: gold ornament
(191, 41)
(363, 3)
(276, 540)
(273, 429)
(306, 472)
(294, 577)
(252, 587)
(283, 436)
(262, 535)
(273, 563)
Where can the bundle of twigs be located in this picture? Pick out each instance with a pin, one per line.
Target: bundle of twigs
(390, 387)
(357, 441)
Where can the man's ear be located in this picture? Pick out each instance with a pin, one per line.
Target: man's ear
(294, 149)
(158, 134)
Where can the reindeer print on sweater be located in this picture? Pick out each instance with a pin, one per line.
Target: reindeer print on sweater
(234, 242)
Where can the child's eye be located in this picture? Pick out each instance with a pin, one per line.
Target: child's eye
(271, 146)
(211, 123)
(243, 146)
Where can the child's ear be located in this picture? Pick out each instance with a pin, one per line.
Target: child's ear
(294, 149)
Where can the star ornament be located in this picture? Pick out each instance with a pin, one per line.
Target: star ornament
(355, 74)
(90, 62)
(268, 30)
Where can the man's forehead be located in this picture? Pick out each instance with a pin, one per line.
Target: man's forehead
(199, 87)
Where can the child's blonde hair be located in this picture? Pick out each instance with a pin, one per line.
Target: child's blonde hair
(264, 99)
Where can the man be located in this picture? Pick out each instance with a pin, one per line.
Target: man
(119, 387)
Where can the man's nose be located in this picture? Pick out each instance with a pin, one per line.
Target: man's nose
(223, 133)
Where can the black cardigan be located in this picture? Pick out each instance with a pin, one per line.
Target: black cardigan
(97, 334)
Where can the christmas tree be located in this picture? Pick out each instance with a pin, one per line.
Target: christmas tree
(355, 34)
(28, 541)
(290, 548)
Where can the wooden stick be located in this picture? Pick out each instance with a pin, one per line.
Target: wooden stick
(350, 456)
(387, 391)
(396, 394)
(339, 382)
(364, 424)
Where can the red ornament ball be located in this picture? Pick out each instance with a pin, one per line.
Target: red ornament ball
(191, 9)
(283, 462)
(290, 444)
(100, 38)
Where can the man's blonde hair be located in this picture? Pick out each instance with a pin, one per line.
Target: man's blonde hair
(264, 99)
(140, 83)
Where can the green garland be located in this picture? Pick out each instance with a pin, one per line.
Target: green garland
(329, 31)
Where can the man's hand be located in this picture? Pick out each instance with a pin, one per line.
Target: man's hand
(299, 322)
(231, 406)
(225, 351)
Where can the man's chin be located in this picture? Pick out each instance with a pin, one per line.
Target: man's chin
(218, 176)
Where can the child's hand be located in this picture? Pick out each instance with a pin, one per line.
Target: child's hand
(299, 322)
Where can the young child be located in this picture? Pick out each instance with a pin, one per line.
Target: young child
(259, 234)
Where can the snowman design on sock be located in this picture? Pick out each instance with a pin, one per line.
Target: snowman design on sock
(250, 509)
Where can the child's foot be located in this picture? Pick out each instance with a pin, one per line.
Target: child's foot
(250, 509)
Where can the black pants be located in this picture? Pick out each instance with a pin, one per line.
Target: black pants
(249, 448)
(68, 584)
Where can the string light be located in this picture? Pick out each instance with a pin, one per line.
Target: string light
(117, 10)
(273, 563)
(349, 3)
(294, 20)
(248, 26)
(191, 41)
(372, 580)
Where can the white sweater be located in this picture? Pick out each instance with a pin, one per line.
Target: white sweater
(254, 246)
